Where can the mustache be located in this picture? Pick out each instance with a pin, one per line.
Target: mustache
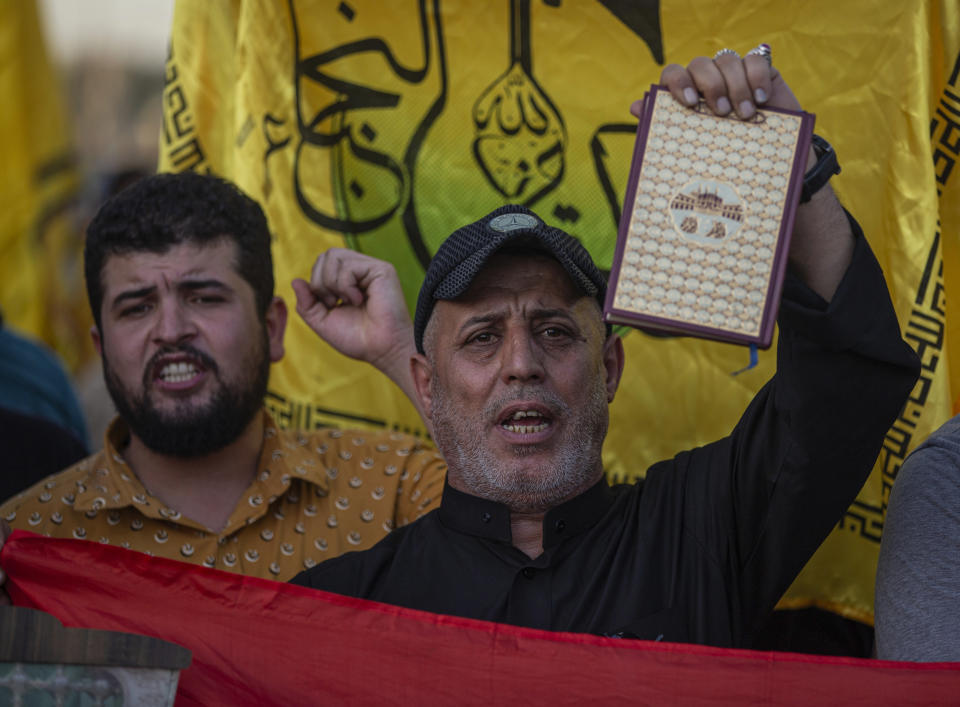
(553, 402)
(187, 349)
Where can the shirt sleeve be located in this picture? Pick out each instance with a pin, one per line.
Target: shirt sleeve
(918, 576)
(759, 502)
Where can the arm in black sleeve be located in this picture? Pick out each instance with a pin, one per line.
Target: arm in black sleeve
(763, 499)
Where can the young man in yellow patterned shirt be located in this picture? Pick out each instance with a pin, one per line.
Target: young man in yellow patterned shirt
(180, 282)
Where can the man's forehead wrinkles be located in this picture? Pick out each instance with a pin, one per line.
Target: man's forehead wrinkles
(529, 298)
(545, 295)
(164, 281)
(186, 277)
(523, 276)
(150, 269)
(528, 288)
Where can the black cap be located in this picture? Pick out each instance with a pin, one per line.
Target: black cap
(466, 250)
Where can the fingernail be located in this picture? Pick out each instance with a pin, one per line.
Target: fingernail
(690, 96)
(746, 109)
(723, 105)
(760, 95)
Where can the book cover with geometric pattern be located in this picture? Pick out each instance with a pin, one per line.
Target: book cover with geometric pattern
(707, 218)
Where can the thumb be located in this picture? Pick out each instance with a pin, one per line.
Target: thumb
(306, 299)
(311, 310)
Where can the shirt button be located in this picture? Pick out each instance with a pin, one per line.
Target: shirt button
(560, 525)
(528, 572)
(486, 517)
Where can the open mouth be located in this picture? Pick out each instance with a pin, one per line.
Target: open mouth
(178, 371)
(526, 422)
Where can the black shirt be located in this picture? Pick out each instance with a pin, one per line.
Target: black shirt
(704, 547)
(32, 449)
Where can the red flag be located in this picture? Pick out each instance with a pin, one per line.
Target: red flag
(258, 642)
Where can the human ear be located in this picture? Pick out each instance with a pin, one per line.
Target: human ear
(613, 361)
(97, 341)
(276, 322)
(422, 373)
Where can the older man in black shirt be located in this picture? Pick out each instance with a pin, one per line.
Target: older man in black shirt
(515, 371)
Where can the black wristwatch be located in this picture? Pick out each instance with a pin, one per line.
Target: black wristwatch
(820, 173)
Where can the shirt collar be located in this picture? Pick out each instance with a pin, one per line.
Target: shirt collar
(111, 483)
(477, 516)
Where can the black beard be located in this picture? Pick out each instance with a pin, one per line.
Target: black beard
(192, 431)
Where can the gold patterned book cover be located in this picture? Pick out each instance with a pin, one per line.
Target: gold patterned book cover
(706, 222)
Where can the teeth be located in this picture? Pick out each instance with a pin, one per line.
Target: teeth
(526, 429)
(178, 372)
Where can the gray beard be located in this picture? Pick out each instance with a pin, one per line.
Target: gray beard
(576, 466)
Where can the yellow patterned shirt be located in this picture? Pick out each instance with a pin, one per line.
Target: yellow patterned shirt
(317, 494)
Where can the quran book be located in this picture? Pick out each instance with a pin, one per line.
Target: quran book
(706, 223)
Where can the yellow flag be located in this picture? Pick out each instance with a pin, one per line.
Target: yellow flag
(384, 126)
(41, 276)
